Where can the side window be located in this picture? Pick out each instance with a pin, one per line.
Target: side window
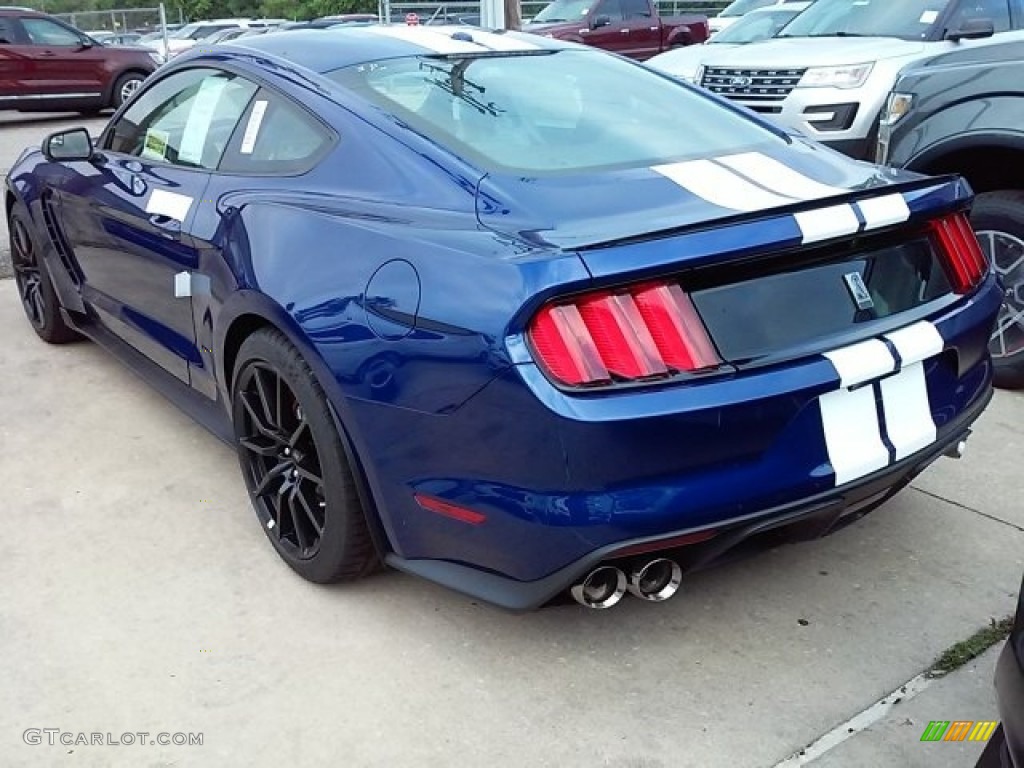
(610, 8)
(6, 32)
(636, 9)
(46, 32)
(185, 119)
(275, 136)
(996, 10)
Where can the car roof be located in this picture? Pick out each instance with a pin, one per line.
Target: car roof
(334, 48)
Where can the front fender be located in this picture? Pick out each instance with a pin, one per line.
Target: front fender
(966, 124)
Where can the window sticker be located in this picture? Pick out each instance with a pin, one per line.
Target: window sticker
(171, 204)
(200, 117)
(929, 17)
(252, 130)
(155, 145)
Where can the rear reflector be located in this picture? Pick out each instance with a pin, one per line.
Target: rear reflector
(644, 332)
(432, 504)
(963, 257)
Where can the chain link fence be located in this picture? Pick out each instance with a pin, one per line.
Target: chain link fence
(121, 20)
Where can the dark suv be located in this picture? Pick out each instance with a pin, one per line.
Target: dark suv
(47, 66)
(963, 112)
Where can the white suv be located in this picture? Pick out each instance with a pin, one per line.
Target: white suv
(829, 72)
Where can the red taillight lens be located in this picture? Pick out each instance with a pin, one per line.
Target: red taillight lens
(648, 331)
(963, 256)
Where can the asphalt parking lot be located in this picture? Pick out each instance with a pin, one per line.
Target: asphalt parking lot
(137, 594)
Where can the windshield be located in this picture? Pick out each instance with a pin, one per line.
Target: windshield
(552, 112)
(564, 10)
(740, 7)
(908, 19)
(756, 26)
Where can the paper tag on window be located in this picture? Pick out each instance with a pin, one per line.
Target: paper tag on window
(252, 129)
(929, 17)
(155, 145)
(200, 117)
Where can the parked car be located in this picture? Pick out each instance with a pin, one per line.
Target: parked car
(963, 112)
(1006, 747)
(737, 10)
(115, 38)
(629, 27)
(829, 73)
(473, 305)
(759, 24)
(200, 31)
(47, 66)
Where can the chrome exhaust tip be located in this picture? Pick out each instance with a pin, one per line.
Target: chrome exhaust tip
(603, 588)
(656, 581)
(957, 451)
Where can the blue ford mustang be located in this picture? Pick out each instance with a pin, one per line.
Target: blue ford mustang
(520, 317)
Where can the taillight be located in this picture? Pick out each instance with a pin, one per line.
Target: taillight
(644, 332)
(966, 262)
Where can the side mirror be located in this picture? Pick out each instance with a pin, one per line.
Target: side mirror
(600, 21)
(68, 146)
(972, 29)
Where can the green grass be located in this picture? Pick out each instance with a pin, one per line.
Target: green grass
(957, 655)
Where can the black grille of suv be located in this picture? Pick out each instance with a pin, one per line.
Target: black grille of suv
(751, 84)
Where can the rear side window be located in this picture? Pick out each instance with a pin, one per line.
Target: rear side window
(185, 119)
(565, 112)
(636, 9)
(275, 136)
(46, 32)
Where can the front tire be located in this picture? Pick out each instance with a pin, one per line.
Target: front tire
(998, 219)
(295, 466)
(35, 289)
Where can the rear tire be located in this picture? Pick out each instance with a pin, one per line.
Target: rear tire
(35, 289)
(998, 218)
(294, 464)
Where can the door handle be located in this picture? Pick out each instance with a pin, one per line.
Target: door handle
(168, 226)
(624, 31)
(47, 54)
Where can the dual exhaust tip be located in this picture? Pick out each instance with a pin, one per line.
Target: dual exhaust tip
(654, 581)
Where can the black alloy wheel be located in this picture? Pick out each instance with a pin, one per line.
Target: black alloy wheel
(294, 464)
(38, 298)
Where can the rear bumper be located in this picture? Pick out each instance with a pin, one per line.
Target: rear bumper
(810, 518)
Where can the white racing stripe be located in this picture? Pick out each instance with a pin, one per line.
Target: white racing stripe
(916, 342)
(884, 211)
(497, 42)
(826, 223)
(852, 437)
(770, 173)
(721, 186)
(861, 362)
(908, 413)
(438, 42)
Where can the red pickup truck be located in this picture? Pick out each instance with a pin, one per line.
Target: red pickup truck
(629, 27)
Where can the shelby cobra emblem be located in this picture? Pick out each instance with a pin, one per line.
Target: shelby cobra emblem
(858, 291)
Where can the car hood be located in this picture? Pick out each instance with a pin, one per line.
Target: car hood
(684, 62)
(816, 52)
(579, 210)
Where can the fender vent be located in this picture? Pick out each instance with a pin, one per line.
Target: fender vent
(60, 244)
